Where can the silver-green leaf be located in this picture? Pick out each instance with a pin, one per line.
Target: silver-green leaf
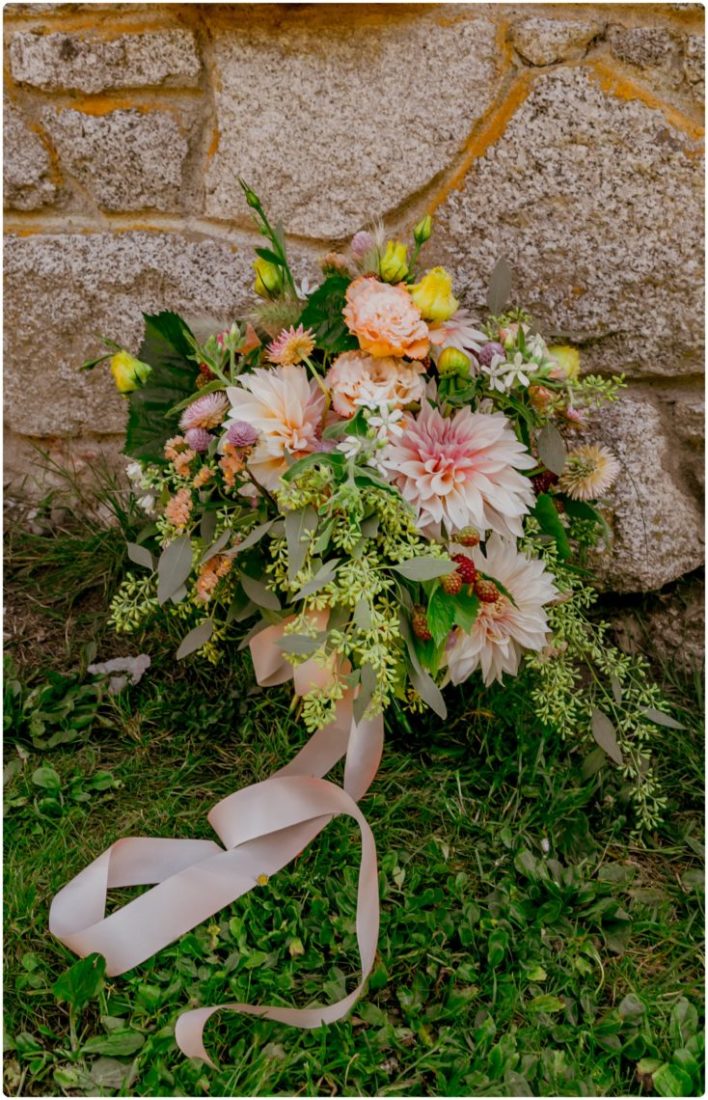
(551, 449)
(140, 555)
(216, 547)
(662, 719)
(424, 568)
(499, 287)
(196, 638)
(174, 567)
(298, 527)
(606, 736)
(258, 592)
(322, 577)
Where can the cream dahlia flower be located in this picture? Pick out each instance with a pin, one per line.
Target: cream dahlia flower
(385, 320)
(286, 410)
(589, 472)
(462, 471)
(356, 379)
(502, 631)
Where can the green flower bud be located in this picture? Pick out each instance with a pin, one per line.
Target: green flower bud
(422, 231)
(453, 361)
(269, 278)
(393, 266)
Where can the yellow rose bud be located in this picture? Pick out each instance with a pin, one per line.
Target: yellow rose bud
(454, 361)
(422, 231)
(568, 360)
(269, 278)
(128, 372)
(393, 266)
(433, 295)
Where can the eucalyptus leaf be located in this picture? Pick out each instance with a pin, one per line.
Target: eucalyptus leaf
(424, 568)
(428, 690)
(366, 692)
(207, 526)
(141, 555)
(605, 735)
(257, 591)
(362, 614)
(196, 638)
(322, 577)
(662, 719)
(552, 449)
(219, 545)
(499, 287)
(254, 536)
(302, 644)
(299, 525)
(174, 567)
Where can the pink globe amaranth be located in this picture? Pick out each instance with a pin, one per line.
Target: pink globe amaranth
(198, 439)
(241, 434)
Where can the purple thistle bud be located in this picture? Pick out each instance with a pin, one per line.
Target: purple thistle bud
(362, 242)
(487, 353)
(198, 439)
(324, 446)
(241, 434)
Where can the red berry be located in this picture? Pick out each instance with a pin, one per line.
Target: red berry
(451, 583)
(420, 624)
(468, 536)
(466, 568)
(544, 481)
(486, 590)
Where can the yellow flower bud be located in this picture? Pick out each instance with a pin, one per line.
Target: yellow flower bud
(568, 360)
(128, 372)
(453, 361)
(393, 266)
(269, 278)
(422, 231)
(433, 295)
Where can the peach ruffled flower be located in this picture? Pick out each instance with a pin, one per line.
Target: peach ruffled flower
(462, 471)
(231, 463)
(385, 320)
(286, 410)
(209, 576)
(356, 379)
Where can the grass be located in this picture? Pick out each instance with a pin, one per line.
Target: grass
(529, 945)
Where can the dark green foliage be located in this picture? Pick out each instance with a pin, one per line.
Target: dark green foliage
(323, 314)
(167, 349)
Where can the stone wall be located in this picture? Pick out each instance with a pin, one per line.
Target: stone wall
(566, 137)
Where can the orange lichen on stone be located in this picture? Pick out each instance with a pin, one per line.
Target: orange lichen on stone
(621, 86)
(214, 143)
(490, 130)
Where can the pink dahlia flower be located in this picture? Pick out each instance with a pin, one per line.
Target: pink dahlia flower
(502, 631)
(286, 410)
(458, 332)
(385, 320)
(206, 412)
(291, 346)
(355, 379)
(462, 471)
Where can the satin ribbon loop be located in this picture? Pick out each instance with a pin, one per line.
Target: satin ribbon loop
(262, 827)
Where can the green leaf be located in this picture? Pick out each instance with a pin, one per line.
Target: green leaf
(219, 545)
(196, 638)
(466, 609)
(122, 1041)
(549, 521)
(546, 1002)
(323, 313)
(271, 257)
(684, 1022)
(424, 568)
(174, 567)
(497, 947)
(47, 779)
(257, 591)
(357, 425)
(301, 644)
(499, 287)
(605, 735)
(299, 525)
(141, 555)
(81, 982)
(551, 449)
(167, 349)
(428, 690)
(254, 536)
(440, 615)
(318, 458)
(670, 1080)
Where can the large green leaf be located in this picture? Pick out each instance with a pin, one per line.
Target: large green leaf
(323, 314)
(547, 516)
(151, 416)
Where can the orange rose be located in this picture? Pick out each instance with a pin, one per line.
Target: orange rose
(385, 320)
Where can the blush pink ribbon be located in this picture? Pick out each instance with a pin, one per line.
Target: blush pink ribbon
(262, 827)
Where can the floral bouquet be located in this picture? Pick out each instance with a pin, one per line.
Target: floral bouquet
(380, 496)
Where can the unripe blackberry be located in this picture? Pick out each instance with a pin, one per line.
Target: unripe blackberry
(466, 568)
(544, 481)
(451, 583)
(468, 536)
(486, 590)
(420, 624)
